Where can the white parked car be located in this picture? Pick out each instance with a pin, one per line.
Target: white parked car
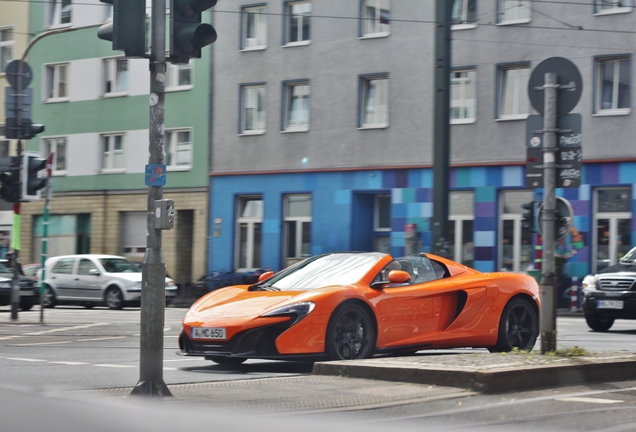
(90, 280)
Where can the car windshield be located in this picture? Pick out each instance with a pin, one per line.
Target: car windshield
(118, 265)
(322, 271)
(630, 256)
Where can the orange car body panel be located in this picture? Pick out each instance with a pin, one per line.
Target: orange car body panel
(420, 315)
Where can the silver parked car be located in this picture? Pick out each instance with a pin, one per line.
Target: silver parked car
(95, 279)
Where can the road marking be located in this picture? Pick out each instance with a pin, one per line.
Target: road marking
(102, 338)
(114, 366)
(9, 337)
(185, 359)
(169, 369)
(69, 363)
(25, 359)
(41, 343)
(589, 400)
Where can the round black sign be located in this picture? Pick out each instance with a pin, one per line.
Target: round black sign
(567, 74)
(564, 215)
(12, 74)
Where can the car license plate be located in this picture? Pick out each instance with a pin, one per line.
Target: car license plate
(208, 333)
(609, 304)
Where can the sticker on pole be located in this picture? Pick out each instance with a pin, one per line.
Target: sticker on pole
(155, 175)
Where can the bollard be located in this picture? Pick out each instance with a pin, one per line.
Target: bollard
(574, 295)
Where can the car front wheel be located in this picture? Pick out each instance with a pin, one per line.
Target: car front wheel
(350, 334)
(114, 298)
(599, 324)
(49, 300)
(518, 327)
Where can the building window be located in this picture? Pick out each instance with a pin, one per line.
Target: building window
(515, 243)
(296, 97)
(113, 152)
(116, 76)
(464, 12)
(374, 96)
(5, 145)
(375, 17)
(514, 11)
(7, 43)
(513, 101)
(57, 146)
(463, 101)
(382, 223)
(253, 109)
(56, 78)
(59, 12)
(613, 6)
(178, 77)
(298, 18)
(297, 222)
(249, 225)
(460, 227)
(178, 148)
(254, 28)
(613, 84)
(612, 232)
(133, 234)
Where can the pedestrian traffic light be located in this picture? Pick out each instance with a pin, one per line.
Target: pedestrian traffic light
(527, 222)
(127, 30)
(187, 33)
(10, 180)
(32, 182)
(29, 130)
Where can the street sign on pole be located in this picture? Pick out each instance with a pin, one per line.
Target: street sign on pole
(568, 134)
(568, 78)
(568, 163)
(19, 81)
(565, 217)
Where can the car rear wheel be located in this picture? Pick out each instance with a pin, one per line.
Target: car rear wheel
(226, 361)
(26, 306)
(518, 327)
(49, 300)
(599, 324)
(113, 298)
(350, 334)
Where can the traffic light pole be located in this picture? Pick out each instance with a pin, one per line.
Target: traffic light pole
(153, 277)
(548, 278)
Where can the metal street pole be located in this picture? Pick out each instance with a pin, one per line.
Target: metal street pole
(154, 267)
(548, 279)
(441, 130)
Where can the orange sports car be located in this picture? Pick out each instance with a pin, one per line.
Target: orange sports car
(355, 305)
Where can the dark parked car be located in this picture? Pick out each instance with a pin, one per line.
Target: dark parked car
(610, 294)
(29, 288)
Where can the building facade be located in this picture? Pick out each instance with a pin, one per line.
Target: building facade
(323, 127)
(94, 104)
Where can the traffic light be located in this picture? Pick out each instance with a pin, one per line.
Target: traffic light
(10, 180)
(28, 130)
(127, 30)
(187, 33)
(527, 222)
(32, 164)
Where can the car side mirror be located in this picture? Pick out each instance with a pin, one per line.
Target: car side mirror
(395, 277)
(93, 272)
(265, 276)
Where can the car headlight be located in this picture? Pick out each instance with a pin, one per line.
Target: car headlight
(589, 284)
(297, 311)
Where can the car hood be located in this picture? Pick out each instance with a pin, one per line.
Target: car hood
(619, 268)
(237, 302)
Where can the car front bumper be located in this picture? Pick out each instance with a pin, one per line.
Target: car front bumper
(592, 304)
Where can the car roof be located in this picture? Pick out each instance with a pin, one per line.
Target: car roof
(96, 256)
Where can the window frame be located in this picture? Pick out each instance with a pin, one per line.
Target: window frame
(298, 224)
(363, 92)
(513, 21)
(172, 149)
(55, 14)
(110, 156)
(250, 240)
(261, 32)
(465, 105)
(287, 23)
(173, 73)
(500, 92)
(287, 98)
(243, 106)
(9, 46)
(464, 23)
(50, 145)
(52, 82)
(598, 87)
(377, 33)
(376, 211)
(617, 9)
(112, 75)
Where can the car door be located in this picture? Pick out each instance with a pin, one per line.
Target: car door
(63, 277)
(88, 280)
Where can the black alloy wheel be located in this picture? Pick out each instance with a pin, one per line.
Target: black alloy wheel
(598, 324)
(518, 327)
(350, 334)
(114, 298)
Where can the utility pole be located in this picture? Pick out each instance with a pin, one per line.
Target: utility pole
(441, 128)
(153, 277)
